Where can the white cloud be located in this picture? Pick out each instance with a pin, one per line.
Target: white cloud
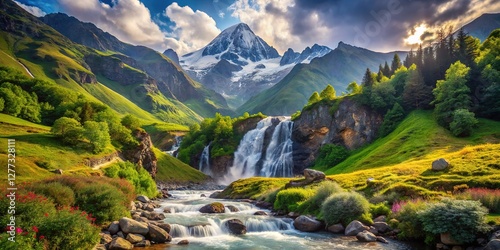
(272, 21)
(35, 11)
(193, 30)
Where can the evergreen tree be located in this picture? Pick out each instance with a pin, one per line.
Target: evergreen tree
(328, 93)
(391, 119)
(410, 59)
(386, 70)
(396, 63)
(314, 98)
(368, 80)
(452, 93)
(419, 58)
(416, 94)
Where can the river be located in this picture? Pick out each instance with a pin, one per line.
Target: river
(207, 231)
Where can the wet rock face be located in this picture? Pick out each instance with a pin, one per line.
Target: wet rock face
(351, 126)
(143, 154)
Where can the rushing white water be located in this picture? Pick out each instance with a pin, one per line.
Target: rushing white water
(175, 147)
(204, 165)
(208, 231)
(254, 158)
(279, 161)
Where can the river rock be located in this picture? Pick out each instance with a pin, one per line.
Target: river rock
(236, 226)
(120, 234)
(293, 215)
(164, 226)
(264, 204)
(215, 207)
(144, 243)
(150, 207)
(153, 215)
(142, 198)
(215, 194)
(167, 210)
(232, 208)
(495, 235)
(381, 218)
(131, 226)
(313, 175)
(306, 224)
(100, 247)
(336, 229)
(142, 219)
(183, 242)
(382, 227)
(366, 236)
(134, 238)
(114, 227)
(382, 239)
(260, 213)
(120, 244)
(493, 245)
(354, 228)
(105, 238)
(203, 195)
(157, 234)
(440, 164)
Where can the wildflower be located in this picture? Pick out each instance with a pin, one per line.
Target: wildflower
(46, 214)
(19, 230)
(35, 229)
(41, 237)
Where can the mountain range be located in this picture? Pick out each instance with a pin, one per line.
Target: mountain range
(236, 72)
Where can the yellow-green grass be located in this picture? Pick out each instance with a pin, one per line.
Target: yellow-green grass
(163, 134)
(8, 60)
(34, 144)
(254, 187)
(418, 137)
(171, 170)
(495, 218)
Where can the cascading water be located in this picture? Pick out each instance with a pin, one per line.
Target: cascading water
(175, 147)
(210, 231)
(204, 165)
(254, 158)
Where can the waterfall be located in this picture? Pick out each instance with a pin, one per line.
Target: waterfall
(254, 158)
(204, 165)
(175, 147)
(279, 161)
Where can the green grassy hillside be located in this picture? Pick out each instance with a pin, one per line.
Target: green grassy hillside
(172, 170)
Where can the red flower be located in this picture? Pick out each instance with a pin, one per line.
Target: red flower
(35, 229)
(42, 237)
(46, 215)
(19, 230)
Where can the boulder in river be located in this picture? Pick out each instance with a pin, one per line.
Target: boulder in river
(381, 227)
(232, 208)
(336, 228)
(119, 243)
(440, 164)
(144, 243)
(215, 207)
(366, 236)
(354, 228)
(236, 226)
(153, 215)
(313, 175)
(306, 224)
(135, 238)
(114, 227)
(183, 242)
(260, 213)
(157, 234)
(131, 226)
(142, 198)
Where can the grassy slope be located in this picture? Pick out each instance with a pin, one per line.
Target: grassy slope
(402, 161)
(170, 169)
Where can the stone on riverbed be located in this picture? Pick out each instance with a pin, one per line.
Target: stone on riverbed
(114, 227)
(260, 213)
(336, 228)
(135, 238)
(236, 226)
(131, 226)
(306, 224)
(158, 235)
(120, 244)
(215, 207)
(366, 236)
(142, 198)
(232, 208)
(354, 228)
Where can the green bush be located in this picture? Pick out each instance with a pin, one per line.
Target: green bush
(380, 209)
(409, 224)
(463, 219)
(288, 200)
(26, 239)
(142, 181)
(60, 194)
(344, 207)
(313, 204)
(331, 155)
(463, 123)
(69, 229)
(392, 119)
(103, 201)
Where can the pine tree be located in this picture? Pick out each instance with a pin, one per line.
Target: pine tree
(368, 80)
(328, 93)
(416, 94)
(386, 70)
(314, 98)
(396, 63)
(391, 119)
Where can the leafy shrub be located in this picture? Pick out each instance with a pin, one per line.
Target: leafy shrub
(289, 199)
(463, 219)
(313, 204)
(69, 229)
(140, 178)
(30, 208)
(344, 207)
(409, 224)
(26, 239)
(105, 202)
(463, 123)
(490, 198)
(391, 119)
(60, 194)
(380, 209)
(331, 155)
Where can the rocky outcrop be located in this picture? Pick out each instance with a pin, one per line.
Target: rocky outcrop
(351, 125)
(93, 162)
(143, 154)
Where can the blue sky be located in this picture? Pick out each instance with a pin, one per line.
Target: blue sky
(185, 26)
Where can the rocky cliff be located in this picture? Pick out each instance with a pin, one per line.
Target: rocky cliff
(143, 154)
(351, 125)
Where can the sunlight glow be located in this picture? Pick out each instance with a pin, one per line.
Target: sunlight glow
(415, 34)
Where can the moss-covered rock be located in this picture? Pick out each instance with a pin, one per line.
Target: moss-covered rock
(215, 207)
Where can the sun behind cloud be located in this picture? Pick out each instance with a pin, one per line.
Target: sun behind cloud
(414, 35)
